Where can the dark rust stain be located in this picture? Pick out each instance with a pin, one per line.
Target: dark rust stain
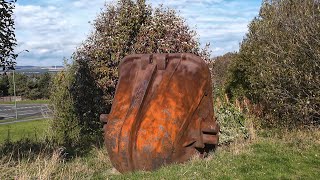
(162, 112)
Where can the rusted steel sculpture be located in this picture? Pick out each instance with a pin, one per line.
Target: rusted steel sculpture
(162, 112)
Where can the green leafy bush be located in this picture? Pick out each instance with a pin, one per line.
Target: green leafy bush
(65, 129)
(279, 62)
(77, 103)
(232, 123)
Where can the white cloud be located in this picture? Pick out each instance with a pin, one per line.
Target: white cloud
(222, 23)
(53, 29)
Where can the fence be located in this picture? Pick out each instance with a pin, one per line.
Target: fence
(10, 98)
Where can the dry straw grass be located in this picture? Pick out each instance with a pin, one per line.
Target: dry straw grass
(55, 167)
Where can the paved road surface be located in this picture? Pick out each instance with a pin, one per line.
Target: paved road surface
(25, 111)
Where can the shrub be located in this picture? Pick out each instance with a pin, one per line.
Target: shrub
(232, 122)
(64, 126)
(279, 62)
(77, 105)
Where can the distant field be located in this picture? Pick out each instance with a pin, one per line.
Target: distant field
(31, 129)
(39, 101)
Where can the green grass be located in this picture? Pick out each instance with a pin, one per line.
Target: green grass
(20, 130)
(22, 118)
(284, 155)
(38, 101)
(266, 159)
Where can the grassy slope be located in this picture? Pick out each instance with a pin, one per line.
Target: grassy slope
(293, 155)
(266, 158)
(17, 131)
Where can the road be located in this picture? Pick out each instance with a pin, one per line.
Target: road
(24, 111)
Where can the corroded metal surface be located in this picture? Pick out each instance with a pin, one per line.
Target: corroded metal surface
(162, 112)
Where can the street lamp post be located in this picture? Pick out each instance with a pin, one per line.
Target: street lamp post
(14, 94)
(14, 87)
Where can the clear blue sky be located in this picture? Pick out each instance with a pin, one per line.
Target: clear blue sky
(52, 29)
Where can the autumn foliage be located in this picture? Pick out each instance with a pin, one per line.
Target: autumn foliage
(133, 27)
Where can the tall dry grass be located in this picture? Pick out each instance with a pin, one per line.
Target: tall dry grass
(54, 166)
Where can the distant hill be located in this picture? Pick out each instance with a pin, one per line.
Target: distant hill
(29, 70)
(39, 67)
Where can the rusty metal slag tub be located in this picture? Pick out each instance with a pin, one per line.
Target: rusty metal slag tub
(162, 112)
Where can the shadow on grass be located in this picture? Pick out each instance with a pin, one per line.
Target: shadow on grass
(27, 148)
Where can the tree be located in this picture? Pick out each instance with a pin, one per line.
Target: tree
(44, 84)
(22, 82)
(4, 85)
(119, 30)
(7, 35)
(279, 61)
(220, 66)
(32, 86)
(133, 27)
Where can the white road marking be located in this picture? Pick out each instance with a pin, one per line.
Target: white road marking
(19, 108)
